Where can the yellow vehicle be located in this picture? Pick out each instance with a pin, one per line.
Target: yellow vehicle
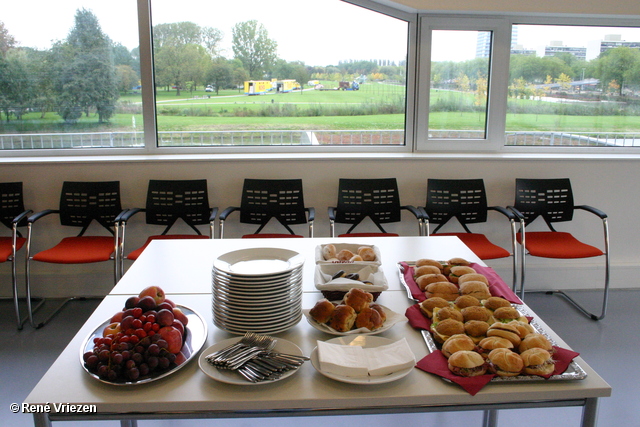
(283, 86)
(257, 87)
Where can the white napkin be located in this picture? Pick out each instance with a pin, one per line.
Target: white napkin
(356, 361)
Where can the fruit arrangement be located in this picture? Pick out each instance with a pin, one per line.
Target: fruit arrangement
(142, 339)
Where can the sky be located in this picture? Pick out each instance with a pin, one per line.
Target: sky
(318, 33)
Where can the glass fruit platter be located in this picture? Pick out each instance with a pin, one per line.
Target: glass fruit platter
(195, 336)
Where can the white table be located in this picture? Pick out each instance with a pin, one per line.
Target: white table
(189, 393)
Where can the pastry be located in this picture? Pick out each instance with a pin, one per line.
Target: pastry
(367, 253)
(344, 255)
(380, 310)
(369, 318)
(343, 318)
(329, 252)
(358, 299)
(322, 311)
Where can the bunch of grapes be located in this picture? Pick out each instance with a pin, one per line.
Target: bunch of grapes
(136, 344)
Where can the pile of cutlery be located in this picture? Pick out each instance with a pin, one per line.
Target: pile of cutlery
(253, 358)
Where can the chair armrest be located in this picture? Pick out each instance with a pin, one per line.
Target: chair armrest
(592, 210)
(516, 212)
(126, 214)
(504, 211)
(416, 212)
(214, 214)
(36, 216)
(225, 213)
(311, 213)
(17, 220)
(331, 211)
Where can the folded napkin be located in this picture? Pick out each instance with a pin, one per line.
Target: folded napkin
(497, 286)
(356, 361)
(416, 318)
(436, 363)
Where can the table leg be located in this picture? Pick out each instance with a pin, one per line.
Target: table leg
(41, 419)
(490, 418)
(590, 412)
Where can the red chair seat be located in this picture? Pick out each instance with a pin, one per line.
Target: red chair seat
(480, 245)
(369, 235)
(271, 235)
(5, 247)
(550, 244)
(135, 254)
(78, 250)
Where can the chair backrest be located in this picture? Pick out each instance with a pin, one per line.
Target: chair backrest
(170, 200)
(282, 199)
(377, 199)
(552, 199)
(11, 202)
(463, 199)
(83, 202)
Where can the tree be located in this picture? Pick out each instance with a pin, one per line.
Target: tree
(86, 76)
(253, 47)
(7, 41)
(211, 38)
(171, 65)
(220, 74)
(176, 34)
(618, 64)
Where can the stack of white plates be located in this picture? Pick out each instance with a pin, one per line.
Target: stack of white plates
(257, 290)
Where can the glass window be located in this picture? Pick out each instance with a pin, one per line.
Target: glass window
(290, 73)
(69, 76)
(459, 84)
(576, 86)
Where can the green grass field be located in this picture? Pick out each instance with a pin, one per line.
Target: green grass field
(364, 109)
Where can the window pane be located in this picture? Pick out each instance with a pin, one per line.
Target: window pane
(459, 84)
(574, 86)
(69, 75)
(287, 74)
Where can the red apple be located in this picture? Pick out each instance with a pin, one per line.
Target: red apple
(147, 303)
(165, 317)
(164, 305)
(173, 337)
(179, 315)
(178, 325)
(117, 317)
(111, 329)
(153, 291)
(131, 302)
(168, 301)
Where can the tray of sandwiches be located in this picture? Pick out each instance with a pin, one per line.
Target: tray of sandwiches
(474, 325)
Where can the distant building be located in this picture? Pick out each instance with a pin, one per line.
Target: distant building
(556, 47)
(615, 40)
(483, 42)
(520, 50)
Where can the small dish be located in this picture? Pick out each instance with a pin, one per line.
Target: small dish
(392, 319)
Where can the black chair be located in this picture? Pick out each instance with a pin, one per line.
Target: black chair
(81, 205)
(167, 202)
(552, 200)
(12, 216)
(376, 199)
(267, 199)
(465, 200)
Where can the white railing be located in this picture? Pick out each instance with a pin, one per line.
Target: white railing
(300, 138)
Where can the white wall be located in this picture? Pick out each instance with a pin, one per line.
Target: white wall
(607, 184)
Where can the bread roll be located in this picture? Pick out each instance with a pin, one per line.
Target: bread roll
(523, 328)
(443, 330)
(475, 288)
(457, 271)
(505, 362)
(499, 329)
(475, 313)
(367, 253)
(322, 311)
(425, 279)
(507, 314)
(427, 306)
(456, 343)
(344, 255)
(329, 252)
(493, 303)
(475, 277)
(466, 363)
(535, 340)
(369, 318)
(464, 301)
(358, 299)
(537, 361)
(380, 310)
(476, 330)
(445, 290)
(343, 318)
(440, 314)
(426, 269)
(428, 261)
(491, 343)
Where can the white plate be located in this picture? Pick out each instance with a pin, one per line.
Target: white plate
(260, 278)
(392, 319)
(261, 329)
(258, 262)
(196, 336)
(231, 377)
(365, 342)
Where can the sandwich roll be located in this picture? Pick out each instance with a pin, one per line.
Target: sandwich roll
(476, 330)
(493, 303)
(473, 277)
(504, 330)
(427, 306)
(467, 364)
(457, 271)
(457, 343)
(426, 279)
(537, 361)
(486, 345)
(475, 288)
(440, 314)
(428, 261)
(443, 330)
(535, 340)
(445, 290)
(505, 362)
(464, 301)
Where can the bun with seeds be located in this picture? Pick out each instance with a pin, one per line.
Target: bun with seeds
(445, 290)
(440, 314)
(426, 279)
(493, 303)
(508, 314)
(457, 271)
(476, 313)
(457, 343)
(476, 330)
(464, 301)
(475, 288)
(443, 330)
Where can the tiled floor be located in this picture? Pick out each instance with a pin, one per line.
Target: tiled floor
(610, 346)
